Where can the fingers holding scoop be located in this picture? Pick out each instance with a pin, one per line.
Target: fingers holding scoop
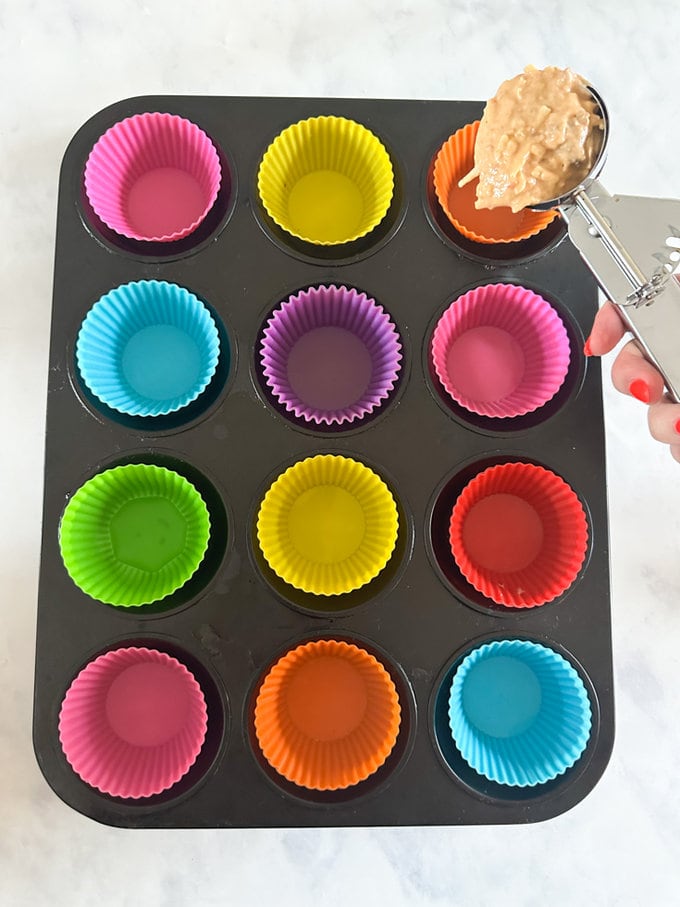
(632, 374)
(664, 424)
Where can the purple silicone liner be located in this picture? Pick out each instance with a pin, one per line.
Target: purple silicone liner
(356, 317)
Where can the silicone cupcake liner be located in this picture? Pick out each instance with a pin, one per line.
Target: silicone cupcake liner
(153, 177)
(327, 715)
(133, 722)
(326, 180)
(519, 534)
(454, 160)
(501, 350)
(134, 534)
(519, 713)
(327, 525)
(148, 348)
(330, 355)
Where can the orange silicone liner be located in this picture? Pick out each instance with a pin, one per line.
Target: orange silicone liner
(327, 715)
(454, 160)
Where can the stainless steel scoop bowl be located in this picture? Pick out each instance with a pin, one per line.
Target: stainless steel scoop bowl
(595, 170)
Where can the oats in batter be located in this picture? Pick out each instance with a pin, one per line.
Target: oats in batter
(538, 138)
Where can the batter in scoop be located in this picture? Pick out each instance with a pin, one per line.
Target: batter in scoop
(538, 138)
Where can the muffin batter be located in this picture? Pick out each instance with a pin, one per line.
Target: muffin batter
(538, 138)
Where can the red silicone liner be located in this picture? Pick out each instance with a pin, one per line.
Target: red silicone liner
(519, 534)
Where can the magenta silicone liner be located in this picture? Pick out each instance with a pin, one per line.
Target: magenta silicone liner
(372, 342)
(133, 722)
(501, 350)
(146, 144)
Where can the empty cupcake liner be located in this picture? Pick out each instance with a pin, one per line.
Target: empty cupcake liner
(327, 525)
(148, 348)
(501, 351)
(134, 534)
(454, 160)
(153, 177)
(330, 355)
(519, 534)
(519, 713)
(326, 180)
(133, 722)
(327, 715)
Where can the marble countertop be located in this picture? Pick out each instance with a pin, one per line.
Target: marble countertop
(60, 63)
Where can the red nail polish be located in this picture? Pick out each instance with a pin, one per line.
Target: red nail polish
(586, 349)
(677, 427)
(638, 389)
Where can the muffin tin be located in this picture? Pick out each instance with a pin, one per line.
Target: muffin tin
(236, 621)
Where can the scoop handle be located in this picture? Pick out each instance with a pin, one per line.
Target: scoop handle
(628, 243)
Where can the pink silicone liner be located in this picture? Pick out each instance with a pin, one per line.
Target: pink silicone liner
(501, 350)
(133, 722)
(158, 162)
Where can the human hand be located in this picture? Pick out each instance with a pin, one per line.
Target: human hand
(632, 374)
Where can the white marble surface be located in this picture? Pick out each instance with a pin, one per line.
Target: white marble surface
(60, 62)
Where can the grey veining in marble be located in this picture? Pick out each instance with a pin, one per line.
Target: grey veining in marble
(62, 61)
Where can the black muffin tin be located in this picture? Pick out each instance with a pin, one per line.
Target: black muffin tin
(234, 618)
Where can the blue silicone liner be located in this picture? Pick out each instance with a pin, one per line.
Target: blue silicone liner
(148, 348)
(519, 713)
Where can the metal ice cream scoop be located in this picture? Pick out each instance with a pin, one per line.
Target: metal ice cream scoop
(631, 246)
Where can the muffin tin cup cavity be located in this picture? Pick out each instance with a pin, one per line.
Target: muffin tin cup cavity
(487, 226)
(328, 525)
(519, 713)
(519, 534)
(326, 180)
(133, 722)
(330, 356)
(500, 351)
(134, 534)
(148, 348)
(327, 715)
(153, 177)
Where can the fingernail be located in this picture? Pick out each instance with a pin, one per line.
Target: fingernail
(638, 389)
(677, 427)
(586, 349)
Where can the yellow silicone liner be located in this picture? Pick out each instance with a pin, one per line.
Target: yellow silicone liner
(327, 525)
(326, 180)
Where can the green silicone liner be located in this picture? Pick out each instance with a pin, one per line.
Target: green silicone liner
(134, 534)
